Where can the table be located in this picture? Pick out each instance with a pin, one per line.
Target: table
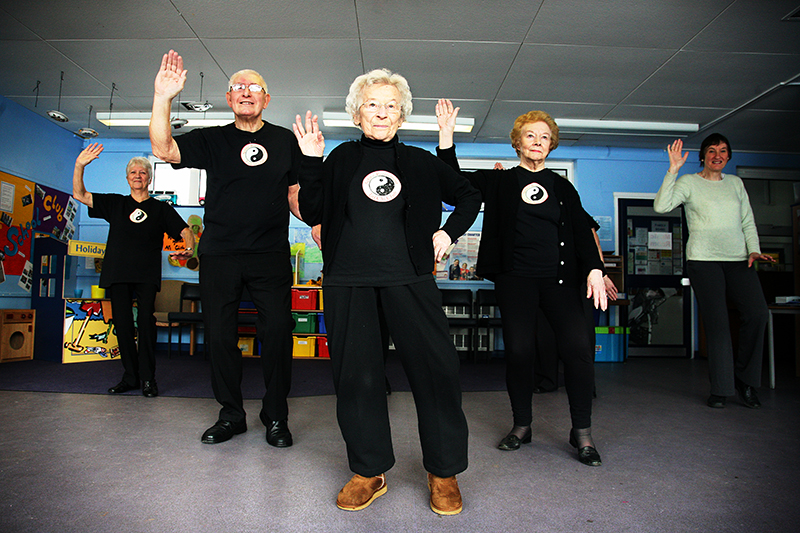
(779, 309)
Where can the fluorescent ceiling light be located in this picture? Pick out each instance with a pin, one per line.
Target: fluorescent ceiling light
(333, 119)
(574, 125)
(143, 119)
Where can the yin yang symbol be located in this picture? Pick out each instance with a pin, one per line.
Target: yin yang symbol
(534, 194)
(253, 154)
(138, 216)
(381, 186)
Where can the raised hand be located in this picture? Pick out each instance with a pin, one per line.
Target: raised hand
(676, 160)
(171, 76)
(89, 154)
(309, 138)
(446, 115)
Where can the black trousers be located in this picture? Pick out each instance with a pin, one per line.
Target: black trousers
(519, 299)
(715, 283)
(421, 336)
(268, 278)
(138, 361)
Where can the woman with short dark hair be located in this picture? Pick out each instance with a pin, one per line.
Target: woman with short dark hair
(722, 246)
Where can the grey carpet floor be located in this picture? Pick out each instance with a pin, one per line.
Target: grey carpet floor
(98, 463)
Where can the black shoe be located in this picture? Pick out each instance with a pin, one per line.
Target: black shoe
(121, 387)
(748, 394)
(587, 455)
(278, 434)
(150, 388)
(511, 442)
(716, 402)
(223, 430)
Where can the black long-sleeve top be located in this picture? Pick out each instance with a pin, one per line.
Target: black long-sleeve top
(501, 196)
(427, 183)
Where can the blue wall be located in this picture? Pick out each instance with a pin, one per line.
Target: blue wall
(37, 149)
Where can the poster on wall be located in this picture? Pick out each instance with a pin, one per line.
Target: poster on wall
(54, 213)
(89, 332)
(26, 209)
(460, 264)
(16, 227)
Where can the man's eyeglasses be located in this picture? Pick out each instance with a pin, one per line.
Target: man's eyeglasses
(254, 87)
(372, 106)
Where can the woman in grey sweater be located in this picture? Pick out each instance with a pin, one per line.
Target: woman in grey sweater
(720, 251)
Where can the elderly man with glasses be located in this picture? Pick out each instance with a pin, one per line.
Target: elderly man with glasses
(252, 168)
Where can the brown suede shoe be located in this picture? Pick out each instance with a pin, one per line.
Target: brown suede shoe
(445, 496)
(360, 491)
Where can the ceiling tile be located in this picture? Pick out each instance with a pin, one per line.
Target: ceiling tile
(665, 24)
(246, 19)
(588, 74)
(137, 19)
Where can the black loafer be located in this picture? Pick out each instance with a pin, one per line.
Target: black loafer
(223, 430)
(587, 455)
(716, 402)
(121, 387)
(511, 442)
(278, 434)
(150, 389)
(749, 396)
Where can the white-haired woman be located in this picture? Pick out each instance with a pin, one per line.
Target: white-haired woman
(132, 262)
(379, 203)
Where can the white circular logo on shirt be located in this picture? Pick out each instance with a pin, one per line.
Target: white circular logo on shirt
(254, 154)
(534, 194)
(381, 186)
(138, 216)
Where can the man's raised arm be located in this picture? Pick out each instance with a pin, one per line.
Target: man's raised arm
(169, 82)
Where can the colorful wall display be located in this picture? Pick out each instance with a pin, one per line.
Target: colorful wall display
(89, 332)
(25, 209)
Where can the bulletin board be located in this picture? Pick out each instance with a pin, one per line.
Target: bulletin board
(27, 208)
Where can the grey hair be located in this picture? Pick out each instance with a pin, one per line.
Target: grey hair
(142, 162)
(380, 76)
(249, 72)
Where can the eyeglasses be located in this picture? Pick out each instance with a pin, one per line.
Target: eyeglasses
(254, 87)
(371, 106)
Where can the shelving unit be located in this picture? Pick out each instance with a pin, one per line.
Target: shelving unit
(309, 337)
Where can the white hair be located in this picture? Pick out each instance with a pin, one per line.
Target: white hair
(380, 76)
(142, 162)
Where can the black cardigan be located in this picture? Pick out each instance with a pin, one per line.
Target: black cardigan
(427, 182)
(577, 250)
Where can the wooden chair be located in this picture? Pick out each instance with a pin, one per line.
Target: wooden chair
(189, 315)
(168, 299)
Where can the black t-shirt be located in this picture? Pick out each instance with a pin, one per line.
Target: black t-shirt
(536, 240)
(249, 174)
(372, 250)
(135, 237)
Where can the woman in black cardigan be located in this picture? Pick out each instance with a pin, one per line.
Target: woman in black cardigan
(380, 205)
(538, 248)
